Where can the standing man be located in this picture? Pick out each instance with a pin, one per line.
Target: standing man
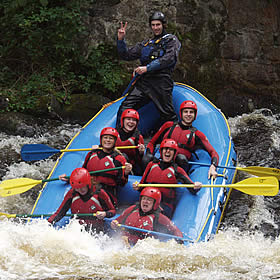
(158, 57)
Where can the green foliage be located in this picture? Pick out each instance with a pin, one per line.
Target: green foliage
(43, 53)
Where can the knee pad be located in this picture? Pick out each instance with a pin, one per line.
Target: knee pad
(183, 162)
(146, 159)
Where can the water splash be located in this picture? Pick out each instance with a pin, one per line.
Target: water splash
(38, 251)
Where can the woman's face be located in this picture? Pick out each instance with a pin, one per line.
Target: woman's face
(147, 203)
(129, 124)
(108, 142)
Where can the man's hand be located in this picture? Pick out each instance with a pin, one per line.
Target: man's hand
(140, 70)
(122, 31)
(212, 172)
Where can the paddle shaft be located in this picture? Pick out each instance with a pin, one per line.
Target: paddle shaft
(130, 84)
(254, 170)
(267, 186)
(203, 186)
(154, 232)
(75, 150)
(45, 215)
(17, 186)
(90, 172)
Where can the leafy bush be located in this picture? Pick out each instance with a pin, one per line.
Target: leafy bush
(43, 53)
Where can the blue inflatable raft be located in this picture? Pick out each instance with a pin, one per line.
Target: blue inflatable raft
(197, 216)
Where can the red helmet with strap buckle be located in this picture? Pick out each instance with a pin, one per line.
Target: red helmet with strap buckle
(129, 113)
(80, 178)
(188, 104)
(168, 143)
(109, 131)
(153, 193)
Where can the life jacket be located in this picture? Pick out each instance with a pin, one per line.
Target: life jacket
(92, 205)
(154, 48)
(94, 163)
(167, 176)
(184, 138)
(133, 140)
(134, 219)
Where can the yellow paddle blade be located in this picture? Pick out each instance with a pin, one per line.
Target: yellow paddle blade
(261, 171)
(17, 186)
(267, 186)
(8, 215)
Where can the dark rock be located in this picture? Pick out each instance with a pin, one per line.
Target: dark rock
(230, 49)
(82, 107)
(17, 124)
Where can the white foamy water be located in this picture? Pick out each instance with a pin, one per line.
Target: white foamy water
(38, 251)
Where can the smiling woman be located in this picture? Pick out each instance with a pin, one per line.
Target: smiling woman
(105, 158)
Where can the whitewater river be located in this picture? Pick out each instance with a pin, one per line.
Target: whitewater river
(246, 247)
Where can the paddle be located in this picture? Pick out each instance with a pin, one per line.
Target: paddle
(23, 216)
(21, 185)
(254, 170)
(267, 186)
(42, 215)
(154, 232)
(130, 84)
(31, 152)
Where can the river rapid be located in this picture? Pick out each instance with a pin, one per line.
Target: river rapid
(247, 245)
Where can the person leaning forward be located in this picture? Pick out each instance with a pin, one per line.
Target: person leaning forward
(145, 215)
(188, 138)
(158, 57)
(85, 198)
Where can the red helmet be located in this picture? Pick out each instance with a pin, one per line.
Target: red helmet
(129, 113)
(109, 131)
(153, 193)
(168, 143)
(190, 105)
(80, 178)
